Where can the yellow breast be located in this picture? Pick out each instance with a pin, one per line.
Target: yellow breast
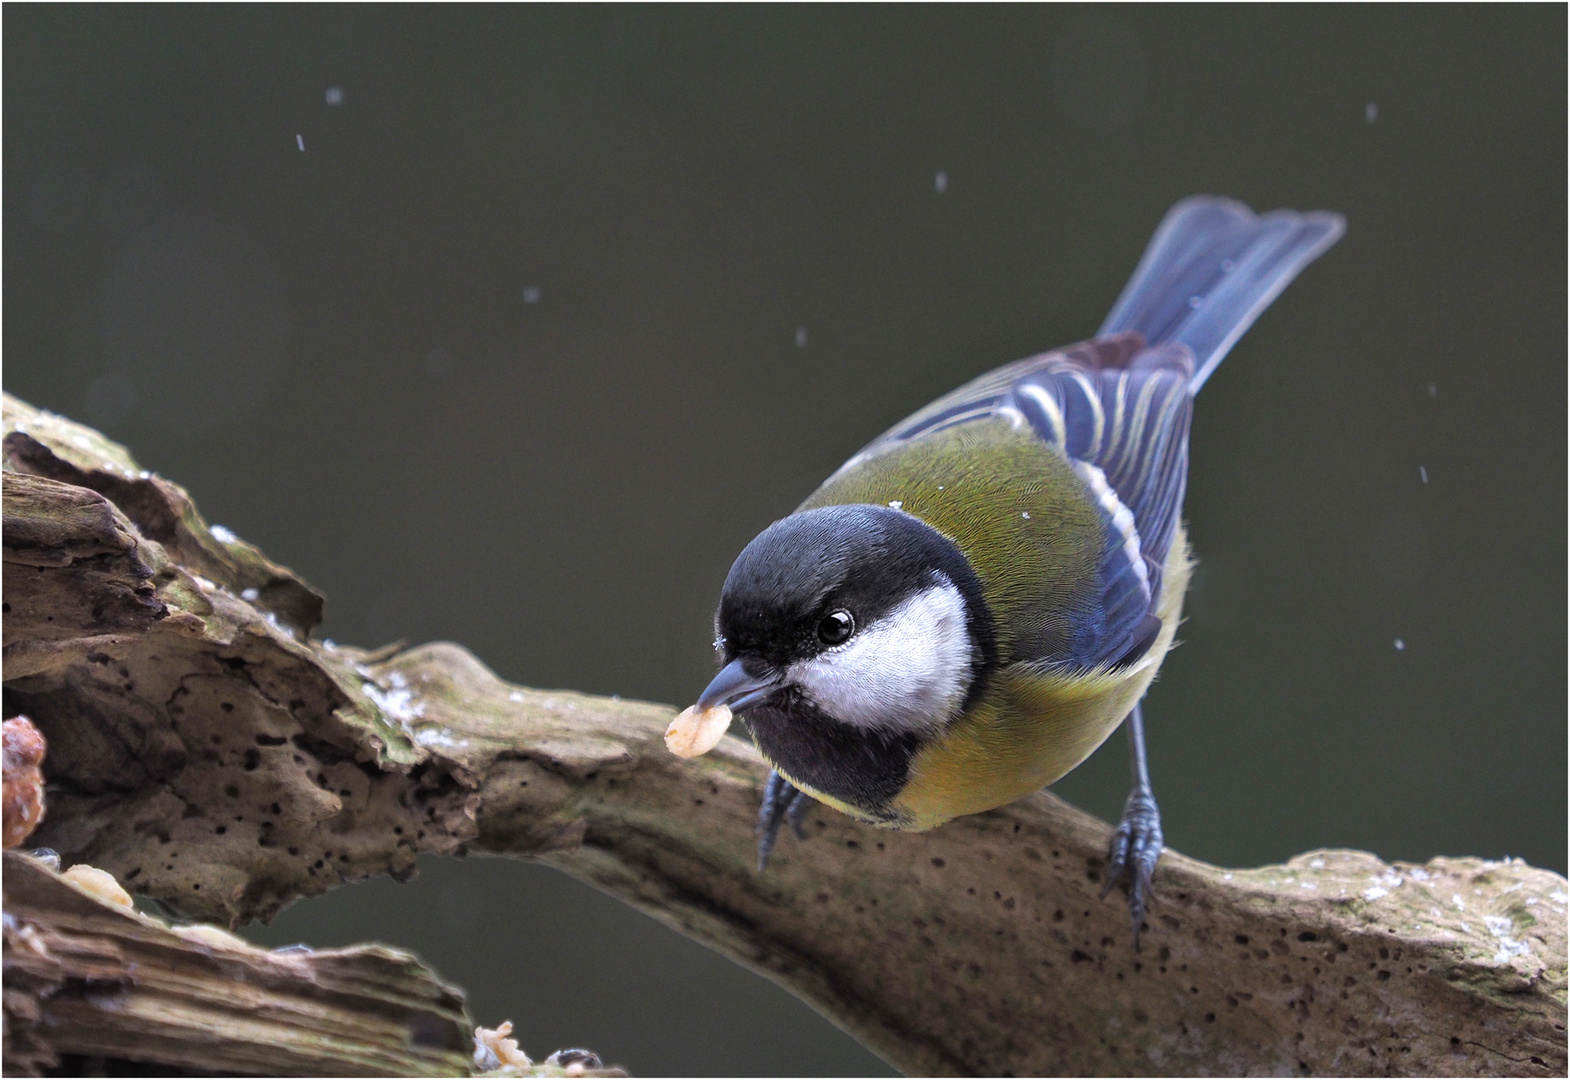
(1031, 727)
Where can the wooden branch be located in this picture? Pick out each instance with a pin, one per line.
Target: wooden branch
(107, 982)
(211, 755)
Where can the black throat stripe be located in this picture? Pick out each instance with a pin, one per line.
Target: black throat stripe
(861, 768)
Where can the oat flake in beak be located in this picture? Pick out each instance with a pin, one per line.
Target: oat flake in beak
(695, 732)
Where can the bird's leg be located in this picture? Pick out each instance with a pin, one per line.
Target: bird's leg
(1136, 843)
(782, 802)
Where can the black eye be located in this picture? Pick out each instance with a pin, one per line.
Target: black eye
(835, 627)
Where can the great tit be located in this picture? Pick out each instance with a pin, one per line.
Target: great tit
(967, 608)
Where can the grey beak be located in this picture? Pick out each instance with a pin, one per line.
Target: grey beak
(735, 687)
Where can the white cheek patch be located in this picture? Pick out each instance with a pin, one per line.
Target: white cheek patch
(907, 672)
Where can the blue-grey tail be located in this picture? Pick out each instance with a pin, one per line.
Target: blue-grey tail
(1210, 270)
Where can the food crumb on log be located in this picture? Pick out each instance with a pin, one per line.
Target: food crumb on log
(496, 1054)
(99, 884)
(494, 1050)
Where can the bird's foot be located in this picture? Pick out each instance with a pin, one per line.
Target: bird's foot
(1132, 855)
(782, 802)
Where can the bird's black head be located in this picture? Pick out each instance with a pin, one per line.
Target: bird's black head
(866, 613)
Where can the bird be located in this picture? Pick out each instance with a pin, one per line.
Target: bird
(973, 603)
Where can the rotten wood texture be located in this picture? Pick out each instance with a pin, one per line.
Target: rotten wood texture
(212, 755)
(106, 982)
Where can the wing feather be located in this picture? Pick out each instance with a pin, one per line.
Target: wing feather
(1119, 412)
(1119, 408)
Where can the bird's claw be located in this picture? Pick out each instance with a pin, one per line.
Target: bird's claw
(1132, 855)
(782, 802)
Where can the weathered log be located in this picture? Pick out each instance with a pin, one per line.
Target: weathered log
(212, 755)
(106, 982)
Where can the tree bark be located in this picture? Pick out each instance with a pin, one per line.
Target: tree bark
(210, 754)
(92, 980)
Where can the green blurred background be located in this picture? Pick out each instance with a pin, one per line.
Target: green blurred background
(557, 307)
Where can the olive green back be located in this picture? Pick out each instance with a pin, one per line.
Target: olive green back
(1013, 506)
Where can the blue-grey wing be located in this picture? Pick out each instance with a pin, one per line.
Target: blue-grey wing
(1119, 406)
(1120, 413)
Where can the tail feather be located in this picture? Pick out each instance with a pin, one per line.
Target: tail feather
(1210, 270)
